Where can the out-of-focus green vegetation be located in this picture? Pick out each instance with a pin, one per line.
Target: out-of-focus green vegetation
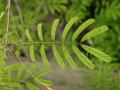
(29, 13)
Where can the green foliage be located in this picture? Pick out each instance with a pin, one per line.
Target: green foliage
(24, 80)
(106, 12)
(28, 13)
(109, 11)
(105, 77)
(63, 43)
(79, 9)
(58, 6)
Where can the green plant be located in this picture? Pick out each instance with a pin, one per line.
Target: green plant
(79, 8)
(65, 44)
(22, 80)
(105, 77)
(30, 79)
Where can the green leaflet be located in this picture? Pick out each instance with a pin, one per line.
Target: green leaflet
(69, 58)
(32, 55)
(40, 32)
(42, 72)
(31, 69)
(12, 84)
(43, 55)
(28, 36)
(31, 48)
(7, 78)
(97, 53)
(20, 72)
(54, 28)
(30, 86)
(43, 82)
(82, 27)
(58, 57)
(95, 32)
(1, 15)
(68, 26)
(83, 58)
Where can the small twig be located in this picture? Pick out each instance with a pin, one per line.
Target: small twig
(7, 26)
(28, 43)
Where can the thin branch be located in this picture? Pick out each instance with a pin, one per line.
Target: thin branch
(50, 42)
(8, 22)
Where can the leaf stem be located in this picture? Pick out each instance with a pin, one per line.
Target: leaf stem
(42, 42)
(8, 21)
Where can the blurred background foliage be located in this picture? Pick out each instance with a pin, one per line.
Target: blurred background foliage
(28, 13)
